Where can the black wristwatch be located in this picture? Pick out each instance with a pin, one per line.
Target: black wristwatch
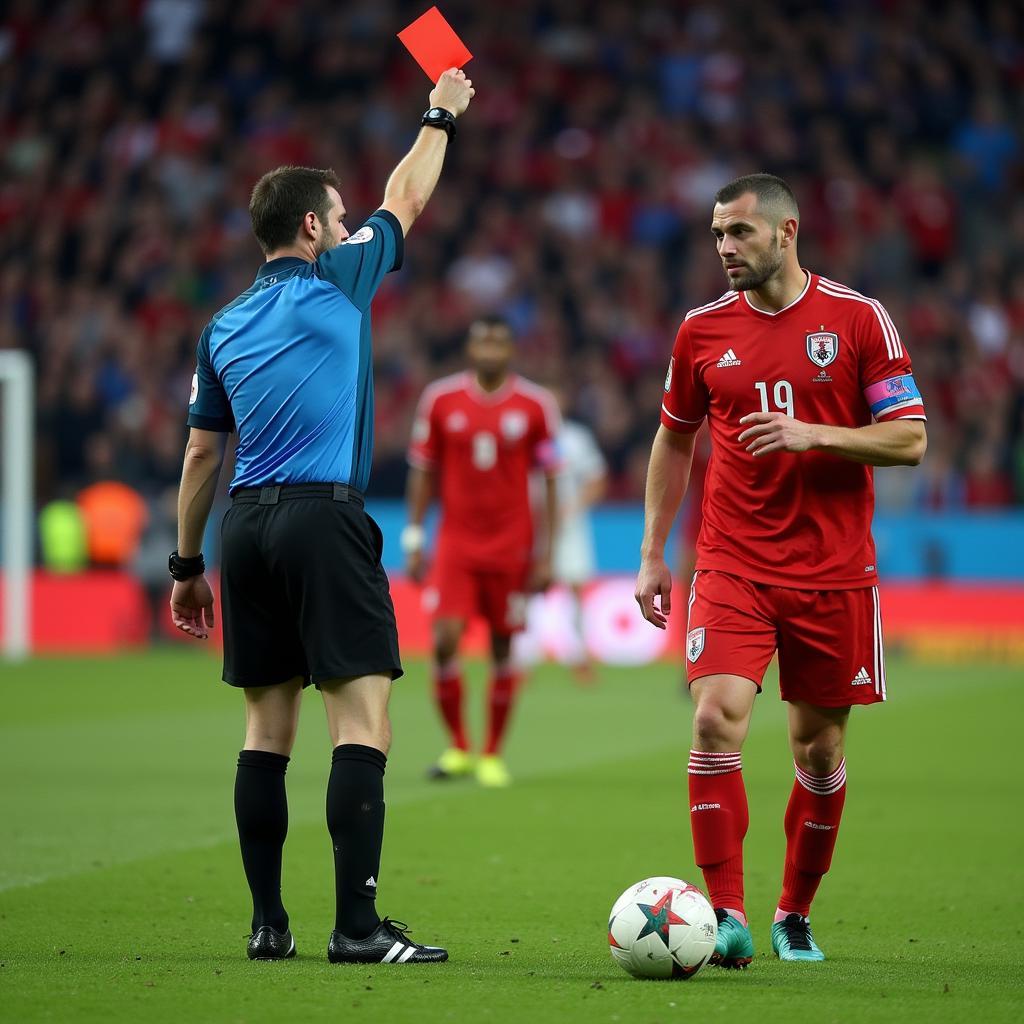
(185, 568)
(438, 117)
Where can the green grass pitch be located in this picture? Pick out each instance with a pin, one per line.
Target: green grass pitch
(122, 896)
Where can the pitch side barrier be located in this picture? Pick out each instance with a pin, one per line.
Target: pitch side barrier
(932, 621)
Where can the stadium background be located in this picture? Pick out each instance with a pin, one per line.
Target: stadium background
(576, 201)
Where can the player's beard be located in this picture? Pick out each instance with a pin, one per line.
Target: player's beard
(762, 270)
(324, 243)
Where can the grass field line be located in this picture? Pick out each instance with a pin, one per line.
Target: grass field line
(423, 792)
(580, 761)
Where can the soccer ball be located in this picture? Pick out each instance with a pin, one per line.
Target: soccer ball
(662, 928)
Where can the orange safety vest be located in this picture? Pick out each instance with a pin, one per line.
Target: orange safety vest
(115, 516)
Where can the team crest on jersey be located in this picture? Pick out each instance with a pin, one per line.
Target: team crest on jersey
(668, 376)
(457, 421)
(513, 425)
(822, 348)
(694, 644)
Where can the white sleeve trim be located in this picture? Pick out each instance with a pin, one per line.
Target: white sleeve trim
(679, 419)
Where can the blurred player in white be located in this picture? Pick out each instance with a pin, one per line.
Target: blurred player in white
(581, 484)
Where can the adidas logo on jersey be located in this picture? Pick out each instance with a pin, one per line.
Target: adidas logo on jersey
(862, 678)
(729, 359)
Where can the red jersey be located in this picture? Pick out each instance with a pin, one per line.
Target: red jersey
(483, 446)
(831, 356)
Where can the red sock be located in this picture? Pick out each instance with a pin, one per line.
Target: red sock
(812, 826)
(500, 699)
(448, 693)
(718, 820)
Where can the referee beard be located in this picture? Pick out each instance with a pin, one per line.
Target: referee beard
(288, 365)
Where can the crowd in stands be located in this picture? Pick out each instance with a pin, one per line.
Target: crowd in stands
(575, 200)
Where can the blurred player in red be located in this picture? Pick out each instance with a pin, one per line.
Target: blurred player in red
(805, 385)
(477, 438)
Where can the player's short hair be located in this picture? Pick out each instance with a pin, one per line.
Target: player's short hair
(492, 320)
(775, 198)
(282, 198)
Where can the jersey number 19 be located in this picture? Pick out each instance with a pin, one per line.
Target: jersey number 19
(782, 392)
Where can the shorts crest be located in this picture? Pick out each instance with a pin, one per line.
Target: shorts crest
(694, 644)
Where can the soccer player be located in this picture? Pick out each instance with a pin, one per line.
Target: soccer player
(288, 364)
(477, 438)
(581, 483)
(805, 385)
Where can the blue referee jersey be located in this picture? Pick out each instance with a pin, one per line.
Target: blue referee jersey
(288, 364)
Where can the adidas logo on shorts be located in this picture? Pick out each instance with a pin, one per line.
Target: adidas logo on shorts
(862, 678)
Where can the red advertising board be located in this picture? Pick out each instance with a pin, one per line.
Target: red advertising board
(103, 612)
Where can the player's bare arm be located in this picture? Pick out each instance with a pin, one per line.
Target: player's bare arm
(542, 572)
(413, 181)
(893, 443)
(192, 599)
(418, 493)
(668, 473)
(590, 494)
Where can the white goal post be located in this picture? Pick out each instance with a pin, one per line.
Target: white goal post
(17, 437)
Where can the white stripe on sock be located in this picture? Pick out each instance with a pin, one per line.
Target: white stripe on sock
(825, 786)
(713, 763)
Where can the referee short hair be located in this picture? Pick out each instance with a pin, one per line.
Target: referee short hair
(283, 197)
(775, 199)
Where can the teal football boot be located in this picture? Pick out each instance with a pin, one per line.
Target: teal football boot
(792, 940)
(734, 947)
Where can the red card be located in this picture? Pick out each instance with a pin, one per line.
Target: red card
(434, 44)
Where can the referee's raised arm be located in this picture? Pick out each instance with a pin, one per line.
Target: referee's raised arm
(412, 181)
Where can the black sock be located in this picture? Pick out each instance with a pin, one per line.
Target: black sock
(261, 811)
(355, 819)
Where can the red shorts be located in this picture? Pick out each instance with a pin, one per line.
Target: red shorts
(829, 641)
(459, 591)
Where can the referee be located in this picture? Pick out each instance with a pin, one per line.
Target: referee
(288, 365)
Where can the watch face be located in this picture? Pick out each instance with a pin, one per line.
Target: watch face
(434, 112)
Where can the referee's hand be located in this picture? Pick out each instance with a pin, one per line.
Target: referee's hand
(192, 607)
(453, 91)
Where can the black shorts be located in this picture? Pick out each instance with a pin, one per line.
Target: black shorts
(303, 592)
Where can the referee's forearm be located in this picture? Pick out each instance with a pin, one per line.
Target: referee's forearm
(416, 175)
(199, 476)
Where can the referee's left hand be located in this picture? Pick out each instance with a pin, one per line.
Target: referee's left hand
(192, 607)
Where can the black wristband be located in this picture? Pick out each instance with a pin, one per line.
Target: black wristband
(438, 117)
(185, 568)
